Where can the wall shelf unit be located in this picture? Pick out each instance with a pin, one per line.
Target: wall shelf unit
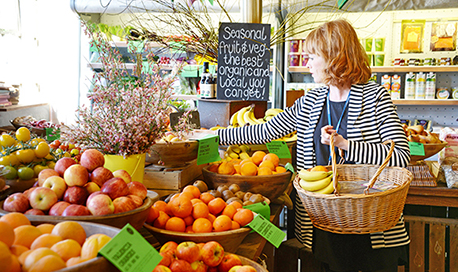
(391, 69)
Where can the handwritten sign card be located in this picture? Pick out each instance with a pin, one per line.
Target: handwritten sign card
(243, 62)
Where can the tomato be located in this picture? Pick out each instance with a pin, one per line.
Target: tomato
(14, 160)
(63, 147)
(9, 172)
(51, 164)
(66, 154)
(25, 156)
(40, 140)
(42, 150)
(74, 152)
(71, 146)
(5, 160)
(34, 142)
(49, 157)
(23, 134)
(6, 140)
(53, 145)
(38, 168)
(25, 173)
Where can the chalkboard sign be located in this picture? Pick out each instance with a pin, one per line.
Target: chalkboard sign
(243, 62)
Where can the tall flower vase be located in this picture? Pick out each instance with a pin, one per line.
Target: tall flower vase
(133, 164)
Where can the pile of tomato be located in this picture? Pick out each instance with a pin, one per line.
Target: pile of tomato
(24, 155)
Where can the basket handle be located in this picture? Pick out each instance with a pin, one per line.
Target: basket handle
(373, 179)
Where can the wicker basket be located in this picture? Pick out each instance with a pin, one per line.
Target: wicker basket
(358, 213)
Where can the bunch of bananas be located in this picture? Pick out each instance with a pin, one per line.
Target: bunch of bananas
(285, 200)
(316, 181)
(244, 116)
(237, 152)
(271, 113)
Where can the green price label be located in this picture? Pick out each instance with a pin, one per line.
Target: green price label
(289, 167)
(208, 149)
(129, 251)
(417, 149)
(280, 148)
(261, 207)
(267, 230)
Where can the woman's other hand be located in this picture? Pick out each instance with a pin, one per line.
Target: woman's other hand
(339, 141)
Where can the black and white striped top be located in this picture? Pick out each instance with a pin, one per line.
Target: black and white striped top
(372, 119)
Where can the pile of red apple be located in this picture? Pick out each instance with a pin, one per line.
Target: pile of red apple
(73, 189)
(202, 257)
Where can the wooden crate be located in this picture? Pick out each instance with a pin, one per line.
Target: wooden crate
(165, 180)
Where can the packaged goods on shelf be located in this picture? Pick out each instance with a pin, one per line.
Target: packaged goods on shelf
(386, 82)
(442, 93)
(395, 87)
(448, 157)
(455, 92)
(420, 85)
(430, 91)
(294, 59)
(410, 86)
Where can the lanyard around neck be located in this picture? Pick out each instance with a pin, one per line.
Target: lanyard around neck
(328, 107)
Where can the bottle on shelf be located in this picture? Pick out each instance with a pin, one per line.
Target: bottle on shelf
(207, 85)
(420, 85)
(430, 91)
(410, 86)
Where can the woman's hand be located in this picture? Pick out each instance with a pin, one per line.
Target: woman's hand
(339, 141)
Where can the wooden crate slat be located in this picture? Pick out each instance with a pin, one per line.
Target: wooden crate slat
(417, 245)
(437, 247)
(453, 248)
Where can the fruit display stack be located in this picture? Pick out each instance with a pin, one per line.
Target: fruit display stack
(258, 164)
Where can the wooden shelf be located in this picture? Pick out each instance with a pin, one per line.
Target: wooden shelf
(438, 102)
(392, 69)
(21, 106)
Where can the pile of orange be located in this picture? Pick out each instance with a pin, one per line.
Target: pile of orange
(259, 164)
(194, 212)
(45, 247)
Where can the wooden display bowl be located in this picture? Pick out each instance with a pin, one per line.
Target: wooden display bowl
(134, 217)
(246, 261)
(271, 186)
(18, 185)
(174, 153)
(430, 150)
(230, 240)
(93, 265)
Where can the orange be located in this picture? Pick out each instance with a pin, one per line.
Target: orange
(67, 249)
(226, 168)
(319, 168)
(160, 205)
(70, 230)
(264, 171)
(15, 219)
(15, 265)
(193, 190)
(48, 263)
(74, 261)
(152, 215)
(216, 206)
(45, 227)
(243, 216)
(235, 225)
(222, 223)
(229, 210)
(6, 233)
(187, 194)
(268, 164)
(181, 206)
(248, 169)
(237, 168)
(93, 244)
(189, 229)
(45, 240)
(175, 224)
(168, 208)
(18, 250)
(273, 158)
(161, 220)
(200, 210)
(189, 220)
(202, 225)
(246, 160)
(258, 156)
(194, 201)
(236, 204)
(206, 197)
(25, 235)
(235, 161)
(5, 257)
(35, 256)
(21, 258)
(280, 169)
(213, 168)
(211, 217)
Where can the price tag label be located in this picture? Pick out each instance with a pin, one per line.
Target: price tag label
(129, 251)
(417, 149)
(208, 149)
(267, 230)
(261, 208)
(280, 148)
(289, 167)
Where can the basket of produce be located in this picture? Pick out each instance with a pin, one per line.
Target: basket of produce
(199, 216)
(431, 142)
(254, 174)
(173, 151)
(207, 256)
(357, 206)
(53, 245)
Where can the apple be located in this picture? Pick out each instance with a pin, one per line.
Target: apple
(57, 184)
(115, 188)
(212, 253)
(121, 173)
(58, 208)
(137, 188)
(42, 198)
(167, 258)
(188, 251)
(76, 195)
(92, 195)
(99, 175)
(91, 187)
(76, 175)
(198, 266)
(136, 199)
(235, 268)
(62, 164)
(180, 266)
(229, 260)
(161, 268)
(76, 210)
(28, 191)
(91, 159)
(212, 269)
(169, 246)
(34, 212)
(100, 205)
(44, 174)
(16, 202)
(246, 268)
(123, 204)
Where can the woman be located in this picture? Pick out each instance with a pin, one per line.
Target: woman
(363, 116)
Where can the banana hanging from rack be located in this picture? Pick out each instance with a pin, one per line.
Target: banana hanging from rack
(249, 117)
(316, 185)
(240, 116)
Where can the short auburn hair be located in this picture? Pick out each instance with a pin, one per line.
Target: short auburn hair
(346, 60)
